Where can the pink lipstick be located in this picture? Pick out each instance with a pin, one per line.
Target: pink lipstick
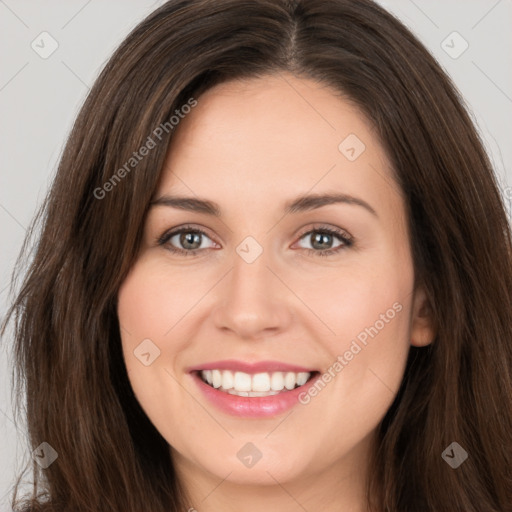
(253, 389)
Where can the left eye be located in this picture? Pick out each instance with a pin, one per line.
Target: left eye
(321, 241)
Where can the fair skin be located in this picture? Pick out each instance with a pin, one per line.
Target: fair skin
(252, 146)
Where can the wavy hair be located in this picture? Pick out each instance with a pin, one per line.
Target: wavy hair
(70, 377)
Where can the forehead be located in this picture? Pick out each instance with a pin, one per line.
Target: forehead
(275, 137)
(254, 111)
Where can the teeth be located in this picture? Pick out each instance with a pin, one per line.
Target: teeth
(217, 378)
(277, 381)
(242, 382)
(207, 375)
(259, 384)
(290, 380)
(227, 380)
(251, 393)
(302, 378)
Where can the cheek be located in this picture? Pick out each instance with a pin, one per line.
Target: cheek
(153, 300)
(141, 304)
(365, 366)
(371, 319)
(147, 311)
(364, 302)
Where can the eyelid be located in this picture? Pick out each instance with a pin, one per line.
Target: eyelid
(169, 233)
(342, 233)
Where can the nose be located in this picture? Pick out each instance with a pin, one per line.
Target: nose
(252, 300)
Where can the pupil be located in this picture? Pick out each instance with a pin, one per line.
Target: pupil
(193, 239)
(319, 239)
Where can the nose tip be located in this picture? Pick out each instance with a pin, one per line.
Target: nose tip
(252, 300)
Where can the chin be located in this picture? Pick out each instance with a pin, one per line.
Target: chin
(253, 464)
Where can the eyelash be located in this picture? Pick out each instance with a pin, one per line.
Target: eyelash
(347, 240)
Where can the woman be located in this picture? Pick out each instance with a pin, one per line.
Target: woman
(182, 349)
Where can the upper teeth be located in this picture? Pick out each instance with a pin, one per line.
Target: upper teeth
(258, 382)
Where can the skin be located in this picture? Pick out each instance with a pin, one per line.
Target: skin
(251, 146)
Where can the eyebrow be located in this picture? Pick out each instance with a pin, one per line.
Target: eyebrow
(300, 204)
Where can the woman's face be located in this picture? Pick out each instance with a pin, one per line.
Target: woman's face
(283, 286)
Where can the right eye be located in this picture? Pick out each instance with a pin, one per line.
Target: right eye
(191, 240)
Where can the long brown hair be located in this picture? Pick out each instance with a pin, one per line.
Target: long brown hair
(69, 365)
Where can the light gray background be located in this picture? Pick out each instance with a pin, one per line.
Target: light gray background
(39, 98)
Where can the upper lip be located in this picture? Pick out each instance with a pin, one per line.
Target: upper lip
(250, 367)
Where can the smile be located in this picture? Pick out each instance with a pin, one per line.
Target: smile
(257, 385)
(252, 390)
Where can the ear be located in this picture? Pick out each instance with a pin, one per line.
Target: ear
(422, 330)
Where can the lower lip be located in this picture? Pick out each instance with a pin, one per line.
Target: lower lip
(253, 407)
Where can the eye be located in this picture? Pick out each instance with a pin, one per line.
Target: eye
(321, 240)
(191, 240)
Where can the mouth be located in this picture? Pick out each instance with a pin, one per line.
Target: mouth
(254, 385)
(253, 390)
